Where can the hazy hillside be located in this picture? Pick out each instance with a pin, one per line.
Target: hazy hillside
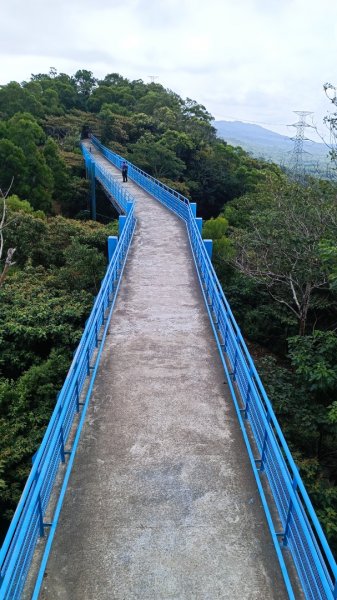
(267, 144)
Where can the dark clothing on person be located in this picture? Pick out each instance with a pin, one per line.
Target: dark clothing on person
(125, 171)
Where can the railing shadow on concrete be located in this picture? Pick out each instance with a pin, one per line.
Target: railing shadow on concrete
(28, 524)
(295, 528)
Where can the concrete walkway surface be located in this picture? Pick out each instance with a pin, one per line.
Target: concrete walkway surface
(162, 502)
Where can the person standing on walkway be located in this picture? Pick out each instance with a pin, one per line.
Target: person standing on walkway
(125, 171)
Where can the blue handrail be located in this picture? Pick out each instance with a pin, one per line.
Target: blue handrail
(115, 191)
(299, 529)
(160, 191)
(28, 522)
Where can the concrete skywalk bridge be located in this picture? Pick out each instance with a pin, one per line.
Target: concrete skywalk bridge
(162, 502)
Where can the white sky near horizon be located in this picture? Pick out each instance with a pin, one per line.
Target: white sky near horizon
(248, 60)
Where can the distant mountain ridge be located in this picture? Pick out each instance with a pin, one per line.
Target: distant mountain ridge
(262, 142)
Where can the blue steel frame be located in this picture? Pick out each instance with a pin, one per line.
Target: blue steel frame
(28, 523)
(297, 527)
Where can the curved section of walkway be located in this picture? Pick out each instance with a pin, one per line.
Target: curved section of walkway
(162, 502)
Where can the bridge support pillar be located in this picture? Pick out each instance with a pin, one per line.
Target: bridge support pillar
(193, 206)
(198, 221)
(121, 223)
(87, 168)
(209, 247)
(92, 191)
(112, 243)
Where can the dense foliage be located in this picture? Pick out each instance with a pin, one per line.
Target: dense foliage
(169, 137)
(45, 300)
(275, 252)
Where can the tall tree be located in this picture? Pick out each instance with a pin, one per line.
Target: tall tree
(85, 83)
(281, 246)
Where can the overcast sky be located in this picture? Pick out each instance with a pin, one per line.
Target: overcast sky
(248, 60)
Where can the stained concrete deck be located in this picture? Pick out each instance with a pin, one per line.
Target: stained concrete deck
(162, 502)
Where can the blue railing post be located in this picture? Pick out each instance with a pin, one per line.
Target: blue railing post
(112, 245)
(39, 509)
(193, 206)
(121, 223)
(225, 338)
(96, 334)
(289, 514)
(77, 397)
(93, 191)
(198, 221)
(236, 356)
(248, 395)
(264, 443)
(88, 361)
(209, 247)
(63, 458)
(103, 313)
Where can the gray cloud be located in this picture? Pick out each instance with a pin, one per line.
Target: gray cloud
(252, 59)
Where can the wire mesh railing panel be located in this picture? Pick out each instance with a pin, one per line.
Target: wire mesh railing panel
(48, 479)
(24, 558)
(305, 558)
(276, 481)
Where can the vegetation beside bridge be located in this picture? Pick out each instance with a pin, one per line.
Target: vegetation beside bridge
(274, 251)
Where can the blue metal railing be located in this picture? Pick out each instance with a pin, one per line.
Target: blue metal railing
(28, 522)
(118, 194)
(175, 201)
(297, 527)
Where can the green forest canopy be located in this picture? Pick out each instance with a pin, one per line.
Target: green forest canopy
(275, 253)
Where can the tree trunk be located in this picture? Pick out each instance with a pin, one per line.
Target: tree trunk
(302, 326)
(8, 263)
(304, 311)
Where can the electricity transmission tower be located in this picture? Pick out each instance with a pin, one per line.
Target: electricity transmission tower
(153, 78)
(330, 121)
(296, 159)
